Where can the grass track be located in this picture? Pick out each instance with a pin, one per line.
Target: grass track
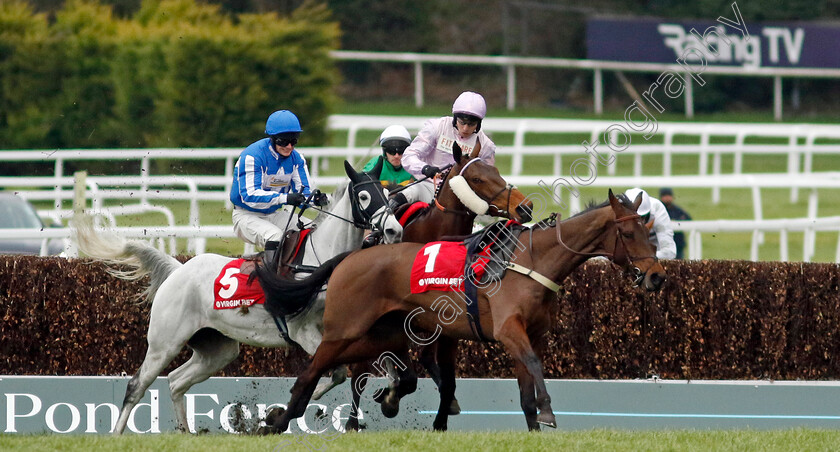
(395, 441)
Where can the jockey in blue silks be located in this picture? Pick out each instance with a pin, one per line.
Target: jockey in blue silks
(269, 175)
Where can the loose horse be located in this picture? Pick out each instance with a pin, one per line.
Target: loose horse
(369, 297)
(469, 188)
(182, 295)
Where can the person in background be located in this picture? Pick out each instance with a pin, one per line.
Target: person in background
(666, 195)
(394, 140)
(661, 234)
(432, 147)
(269, 175)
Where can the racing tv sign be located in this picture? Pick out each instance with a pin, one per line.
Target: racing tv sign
(726, 42)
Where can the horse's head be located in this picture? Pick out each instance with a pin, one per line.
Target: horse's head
(633, 247)
(370, 203)
(482, 189)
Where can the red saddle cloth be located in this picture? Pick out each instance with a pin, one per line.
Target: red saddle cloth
(440, 266)
(231, 289)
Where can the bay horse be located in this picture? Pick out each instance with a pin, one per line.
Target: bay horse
(469, 188)
(369, 299)
(182, 295)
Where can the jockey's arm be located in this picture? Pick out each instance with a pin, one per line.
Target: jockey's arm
(488, 150)
(417, 153)
(666, 248)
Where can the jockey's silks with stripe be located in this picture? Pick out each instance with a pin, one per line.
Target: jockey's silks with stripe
(262, 177)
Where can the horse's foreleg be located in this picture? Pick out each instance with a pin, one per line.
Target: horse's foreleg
(304, 386)
(513, 335)
(527, 398)
(211, 352)
(446, 356)
(339, 376)
(357, 387)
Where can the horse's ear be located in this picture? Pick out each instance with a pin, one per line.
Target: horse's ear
(614, 202)
(637, 202)
(377, 169)
(351, 173)
(477, 149)
(456, 152)
(649, 224)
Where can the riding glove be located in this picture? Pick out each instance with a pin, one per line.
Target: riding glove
(320, 199)
(430, 171)
(295, 199)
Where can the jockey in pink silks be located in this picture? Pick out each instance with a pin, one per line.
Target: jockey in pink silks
(432, 147)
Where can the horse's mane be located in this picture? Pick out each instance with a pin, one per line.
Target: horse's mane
(593, 205)
(337, 194)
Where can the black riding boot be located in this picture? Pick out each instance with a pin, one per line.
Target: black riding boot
(271, 254)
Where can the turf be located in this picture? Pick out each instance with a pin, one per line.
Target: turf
(396, 441)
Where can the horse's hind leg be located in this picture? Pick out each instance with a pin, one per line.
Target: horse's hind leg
(429, 360)
(158, 356)
(446, 355)
(211, 352)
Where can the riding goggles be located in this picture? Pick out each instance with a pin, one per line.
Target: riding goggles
(285, 139)
(393, 150)
(466, 120)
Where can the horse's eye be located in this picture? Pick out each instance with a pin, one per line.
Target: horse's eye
(476, 180)
(364, 199)
(627, 234)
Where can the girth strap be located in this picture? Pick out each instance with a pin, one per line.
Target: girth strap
(471, 292)
(551, 285)
(280, 321)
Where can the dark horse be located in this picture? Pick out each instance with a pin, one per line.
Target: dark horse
(369, 298)
(469, 188)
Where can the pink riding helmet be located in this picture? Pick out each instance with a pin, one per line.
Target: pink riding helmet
(470, 103)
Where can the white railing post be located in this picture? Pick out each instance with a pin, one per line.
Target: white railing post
(598, 91)
(689, 97)
(777, 97)
(418, 84)
(511, 87)
(793, 164)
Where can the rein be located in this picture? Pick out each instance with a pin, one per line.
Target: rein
(619, 238)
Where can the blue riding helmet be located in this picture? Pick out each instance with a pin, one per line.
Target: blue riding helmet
(282, 121)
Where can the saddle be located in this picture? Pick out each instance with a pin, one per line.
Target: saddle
(291, 256)
(490, 249)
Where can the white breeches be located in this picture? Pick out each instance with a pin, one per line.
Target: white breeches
(256, 228)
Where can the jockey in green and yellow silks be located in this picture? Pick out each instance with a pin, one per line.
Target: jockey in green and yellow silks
(394, 140)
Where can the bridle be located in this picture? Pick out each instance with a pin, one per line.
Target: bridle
(620, 254)
(499, 211)
(361, 218)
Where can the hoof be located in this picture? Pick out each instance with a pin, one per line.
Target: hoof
(380, 395)
(353, 425)
(547, 419)
(273, 415)
(454, 408)
(439, 427)
(390, 407)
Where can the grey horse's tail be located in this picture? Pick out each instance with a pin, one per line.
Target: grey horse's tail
(289, 296)
(140, 257)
